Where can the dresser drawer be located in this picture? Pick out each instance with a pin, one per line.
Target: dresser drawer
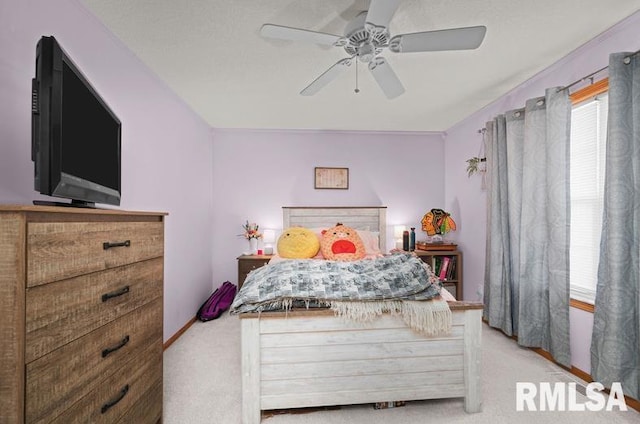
(56, 381)
(115, 395)
(147, 410)
(60, 312)
(56, 251)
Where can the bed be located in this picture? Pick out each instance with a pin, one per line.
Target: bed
(310, 357)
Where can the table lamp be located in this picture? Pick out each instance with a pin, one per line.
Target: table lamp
(398, 230)
(269, 238)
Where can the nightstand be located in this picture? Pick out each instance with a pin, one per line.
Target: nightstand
(247, 263)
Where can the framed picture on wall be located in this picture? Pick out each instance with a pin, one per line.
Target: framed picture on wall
(331, 178)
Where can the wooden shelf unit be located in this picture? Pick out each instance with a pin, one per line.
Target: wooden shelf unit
(453, 280)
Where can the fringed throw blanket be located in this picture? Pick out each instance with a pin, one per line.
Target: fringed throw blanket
(361, 290)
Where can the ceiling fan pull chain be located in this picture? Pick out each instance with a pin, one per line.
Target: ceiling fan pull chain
(357, 90)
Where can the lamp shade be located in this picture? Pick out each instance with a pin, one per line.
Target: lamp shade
(398, 230)
(269, 236)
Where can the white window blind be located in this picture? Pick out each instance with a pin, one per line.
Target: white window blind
(588, 141)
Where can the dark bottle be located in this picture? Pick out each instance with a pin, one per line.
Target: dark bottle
(405, 240)
(412, 239)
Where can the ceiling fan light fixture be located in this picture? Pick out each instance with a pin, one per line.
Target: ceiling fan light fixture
(366, 52)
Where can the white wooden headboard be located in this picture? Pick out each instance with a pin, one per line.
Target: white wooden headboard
(371, 218)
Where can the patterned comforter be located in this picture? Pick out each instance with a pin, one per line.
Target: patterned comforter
(398, 276)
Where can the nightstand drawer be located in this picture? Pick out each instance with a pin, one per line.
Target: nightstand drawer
(246, 264)
(60, 250)
(60, 312)
(246, 267)
(58, 380)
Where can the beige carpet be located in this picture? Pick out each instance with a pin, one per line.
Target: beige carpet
(202, 385)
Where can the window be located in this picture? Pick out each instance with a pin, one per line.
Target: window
(588, 141)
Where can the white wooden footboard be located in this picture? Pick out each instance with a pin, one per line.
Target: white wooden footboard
(312, 358)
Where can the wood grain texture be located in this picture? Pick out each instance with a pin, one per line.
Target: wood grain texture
(57, 213)
(65, 310)
(315, 359)
(12, 265)
(140, 374)
(57, 308)
(56, 251)
(473, 361)
(298, 312)
(79, 365)
(250, 359)
(148, 409)
(372, 218)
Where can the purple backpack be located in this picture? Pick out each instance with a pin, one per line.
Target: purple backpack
(218, 302)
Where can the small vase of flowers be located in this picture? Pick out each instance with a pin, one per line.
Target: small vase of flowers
(251, 233)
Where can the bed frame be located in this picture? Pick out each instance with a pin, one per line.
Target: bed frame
(307, 358)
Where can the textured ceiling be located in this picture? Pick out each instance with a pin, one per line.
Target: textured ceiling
(211, 54)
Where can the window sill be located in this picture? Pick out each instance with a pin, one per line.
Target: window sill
(578, 304)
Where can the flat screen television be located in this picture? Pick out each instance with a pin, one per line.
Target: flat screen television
(76, 146)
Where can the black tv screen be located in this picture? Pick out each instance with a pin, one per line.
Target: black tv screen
(76, 142)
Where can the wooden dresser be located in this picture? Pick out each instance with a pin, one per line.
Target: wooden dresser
(81, 315)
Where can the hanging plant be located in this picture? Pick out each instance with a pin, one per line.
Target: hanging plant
(473, 165)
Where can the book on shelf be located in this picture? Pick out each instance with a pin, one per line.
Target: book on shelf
(443, 268)
(451, 271)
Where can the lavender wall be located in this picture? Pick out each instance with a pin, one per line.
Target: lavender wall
(166, 148)
(463, 141)
(258, 172)
(169, 163)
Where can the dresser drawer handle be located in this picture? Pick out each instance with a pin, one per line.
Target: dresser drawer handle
(114, 401)
(108, 245)
(116, 293)
(106, 352)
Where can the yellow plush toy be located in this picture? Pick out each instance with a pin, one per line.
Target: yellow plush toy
(342, 243)
(298, 243)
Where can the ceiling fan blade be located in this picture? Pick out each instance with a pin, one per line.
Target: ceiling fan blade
(297, 34)
(467, 38)
(380, 12)
(329, 75)
(385, 77)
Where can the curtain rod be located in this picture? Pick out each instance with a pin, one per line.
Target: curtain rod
(583, 79)
(627, 58)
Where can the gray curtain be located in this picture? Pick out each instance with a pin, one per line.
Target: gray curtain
(527, 254)
(615, 345)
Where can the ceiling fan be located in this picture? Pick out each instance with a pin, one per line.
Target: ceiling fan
(367, 35)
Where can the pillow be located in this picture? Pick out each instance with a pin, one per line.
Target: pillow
(342, 243)
(370, 239)
(298, 243)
